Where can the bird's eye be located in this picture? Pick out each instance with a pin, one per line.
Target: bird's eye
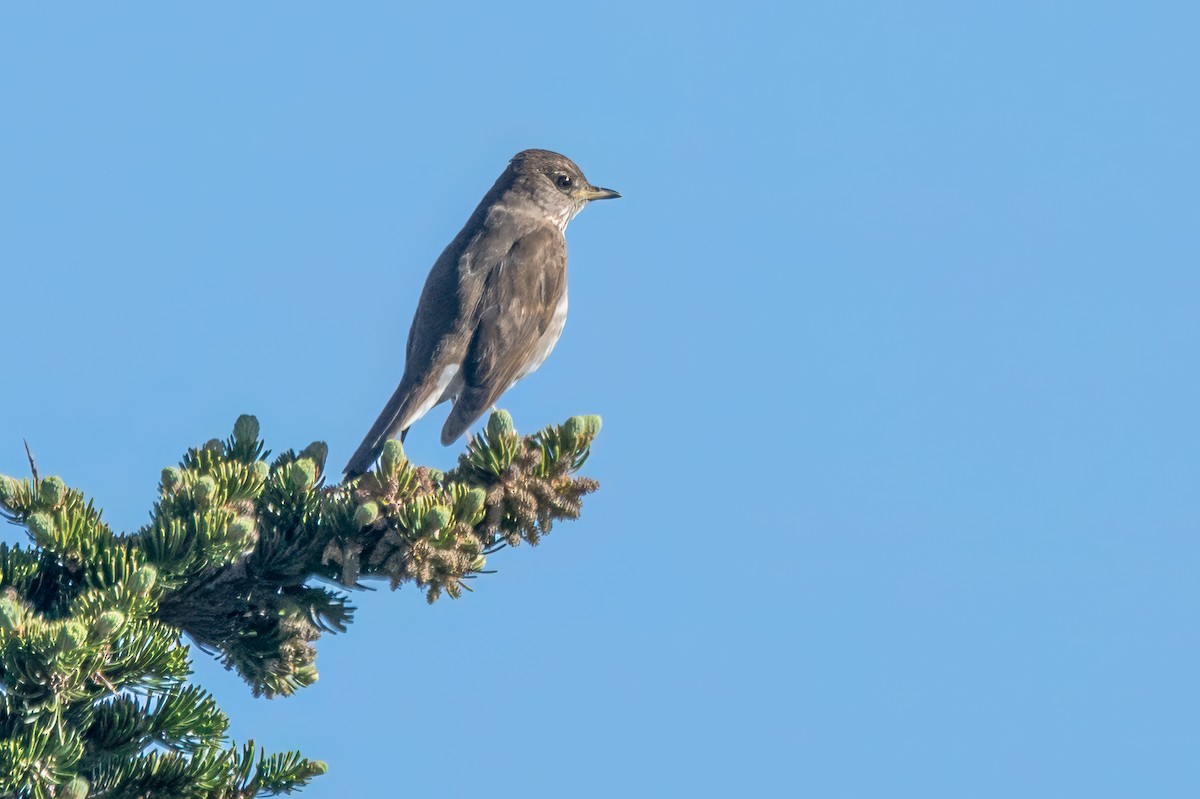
(562, 181)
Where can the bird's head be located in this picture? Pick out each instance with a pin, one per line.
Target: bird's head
(555, 183)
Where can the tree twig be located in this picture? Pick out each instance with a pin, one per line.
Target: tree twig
(32, 465)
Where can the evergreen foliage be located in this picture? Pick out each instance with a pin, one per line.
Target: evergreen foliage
(246, 558)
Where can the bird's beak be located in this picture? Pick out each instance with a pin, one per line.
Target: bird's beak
(594, 193)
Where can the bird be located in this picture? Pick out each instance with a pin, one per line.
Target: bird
(494, 303)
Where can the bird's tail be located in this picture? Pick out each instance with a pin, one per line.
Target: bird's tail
(367, 452)
(392, 421)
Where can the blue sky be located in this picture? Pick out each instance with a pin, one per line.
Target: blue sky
(893, 334)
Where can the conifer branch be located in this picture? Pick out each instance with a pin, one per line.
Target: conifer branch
(252, 561)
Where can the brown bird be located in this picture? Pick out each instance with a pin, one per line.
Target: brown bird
(494, 304)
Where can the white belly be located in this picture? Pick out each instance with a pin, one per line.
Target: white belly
(450, 383)
(546, 343)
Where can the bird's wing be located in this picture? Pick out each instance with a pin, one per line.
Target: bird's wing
(437, 344)
(518, 304)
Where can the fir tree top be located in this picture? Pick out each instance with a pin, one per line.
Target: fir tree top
(249, 559)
